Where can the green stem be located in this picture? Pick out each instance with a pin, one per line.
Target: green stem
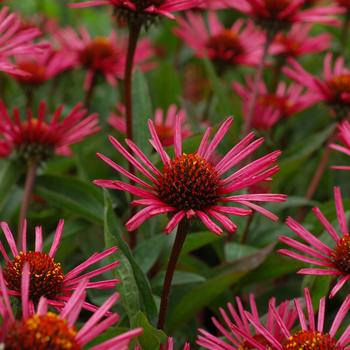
(28, 189)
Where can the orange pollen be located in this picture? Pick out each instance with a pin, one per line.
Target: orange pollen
(41, 332)
(340, 84)
(164, 132)
(311, 340)
(189, 182)
(259, 338)
(341, 254)
(46, 276)
(274, 7)
(97, 52)
(37, 73)
(224, 46)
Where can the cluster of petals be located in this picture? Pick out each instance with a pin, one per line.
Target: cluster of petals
(344, 138)
(164, 122)
(286, 12)
(22, 333)
(237, 318)
(152, 7)
(271, 107)
(240, 44)
(311, 333)
(70, 280)
(41, 68)
(55, 135)
(256, 171)
(101, 55)
(333, 89)
(298, 42)
(15, 41)
(330, 261)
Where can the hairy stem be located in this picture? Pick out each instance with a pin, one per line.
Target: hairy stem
(28, 189)
(247, 228)
(134, 33)
(181, 234)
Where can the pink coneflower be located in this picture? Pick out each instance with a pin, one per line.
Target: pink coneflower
(276, 15)
(330, 261)
(37, 138)
(45, 330)
(233, 319)
(101, 55)
(333, 89)
(144, 12)
(15, 41)
(298, 42)
(240, 44)
(41, 68)
(191, 185)
(310, 334)
(344, 138)
(47, 278)
(164, 122)
(271, 107)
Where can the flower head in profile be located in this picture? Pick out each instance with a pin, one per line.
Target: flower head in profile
(276, 15)
(310, 333)
(104, 56)
(190, 185)
(331, 260)
(272, 107)
(36, 138)
(240, 44)
(41, 68)
(45, 330)
(164, 122)
(143, 11)
(16, 41)
(46, 275)
(344, 138)
(298, 42)
(236, 318)
(333, 89)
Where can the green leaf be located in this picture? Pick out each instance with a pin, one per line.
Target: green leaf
(234, 251)
(129, 293)
(204, 293)
(141, 110)
(151, 338)
(180, 278)
(147, 252)
(70, 193)
(198, 240)
(9, 174)
(116, 231)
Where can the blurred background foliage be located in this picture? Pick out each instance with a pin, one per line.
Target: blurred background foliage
(211, 270)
